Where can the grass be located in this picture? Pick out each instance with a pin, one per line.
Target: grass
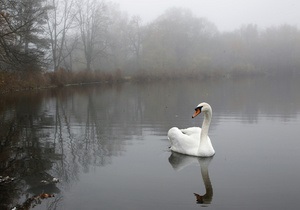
(17, 81)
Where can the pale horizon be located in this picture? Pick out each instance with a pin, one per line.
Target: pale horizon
(226, 15)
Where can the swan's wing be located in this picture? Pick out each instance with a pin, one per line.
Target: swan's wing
(191, 131)
(185, 141)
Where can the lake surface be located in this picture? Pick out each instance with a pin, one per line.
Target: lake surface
(108, 147)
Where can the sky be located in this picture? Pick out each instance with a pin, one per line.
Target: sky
(227, 15)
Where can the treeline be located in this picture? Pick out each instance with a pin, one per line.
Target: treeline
(39, 35)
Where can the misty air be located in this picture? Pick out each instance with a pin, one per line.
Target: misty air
(149, 104)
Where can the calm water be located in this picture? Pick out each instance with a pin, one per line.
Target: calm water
(108, 147)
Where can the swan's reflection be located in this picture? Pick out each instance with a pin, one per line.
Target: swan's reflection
(179, 162)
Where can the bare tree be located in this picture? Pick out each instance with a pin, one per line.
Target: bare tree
(117, 44)
(135, 38)
(60, 23)
(93, 21)
(177, 42)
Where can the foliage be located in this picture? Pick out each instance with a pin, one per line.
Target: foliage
(177, 42)
(96, 36)
(21, 27)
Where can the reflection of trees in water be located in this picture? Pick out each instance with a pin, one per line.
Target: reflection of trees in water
(40, 141)
(62, 133)
(23, 155)
(246, 99)
(82, 136)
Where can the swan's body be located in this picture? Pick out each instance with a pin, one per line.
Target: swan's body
(193, 141)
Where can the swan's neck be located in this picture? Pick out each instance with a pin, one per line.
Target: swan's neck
(205, 126)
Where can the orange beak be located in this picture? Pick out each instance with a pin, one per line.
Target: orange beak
(197, 111)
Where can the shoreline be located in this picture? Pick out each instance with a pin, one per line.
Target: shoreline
(16, 82)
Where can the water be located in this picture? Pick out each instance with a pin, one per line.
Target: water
(108, 147)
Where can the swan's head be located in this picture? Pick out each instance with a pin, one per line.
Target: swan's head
(202, 107)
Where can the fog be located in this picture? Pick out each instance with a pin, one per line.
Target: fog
(70, 133)
(227, 15)
(152, 39)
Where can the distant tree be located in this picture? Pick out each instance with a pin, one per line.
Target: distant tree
(93, 21)
(135, 31)
(117, 45)
(60, 23)
(177, 41)
(281, 49)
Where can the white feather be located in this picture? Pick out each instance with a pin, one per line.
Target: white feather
(193, 141)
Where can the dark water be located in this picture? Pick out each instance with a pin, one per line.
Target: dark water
(108, 147)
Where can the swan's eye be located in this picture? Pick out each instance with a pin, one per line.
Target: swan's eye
(197, 111)
(200, 108)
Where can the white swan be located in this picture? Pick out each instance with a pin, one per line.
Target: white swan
(193, 141)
